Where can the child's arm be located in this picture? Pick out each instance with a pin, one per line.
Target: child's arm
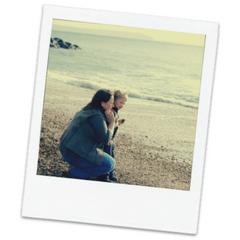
(121, 121)
(116, 133)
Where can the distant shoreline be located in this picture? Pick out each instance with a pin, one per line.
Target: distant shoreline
(101, 33)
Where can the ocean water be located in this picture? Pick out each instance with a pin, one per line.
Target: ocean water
(156, 71)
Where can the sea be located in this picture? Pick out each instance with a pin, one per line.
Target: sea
(150, 70)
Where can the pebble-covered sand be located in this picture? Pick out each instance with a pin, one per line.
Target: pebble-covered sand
(154, 147)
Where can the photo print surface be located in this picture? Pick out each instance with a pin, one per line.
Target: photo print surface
(160, 71)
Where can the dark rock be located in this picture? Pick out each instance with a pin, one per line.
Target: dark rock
(76, 47)
(59, 43)
(68, 44)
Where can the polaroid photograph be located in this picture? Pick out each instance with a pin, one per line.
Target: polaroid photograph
(120, 119)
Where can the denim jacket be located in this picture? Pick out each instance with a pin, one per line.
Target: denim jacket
(81, 138)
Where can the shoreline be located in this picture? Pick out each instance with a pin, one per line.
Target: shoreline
(150, 123)
(154, 147)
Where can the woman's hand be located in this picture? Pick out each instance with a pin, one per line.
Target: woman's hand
(110, 143)
(110, 116)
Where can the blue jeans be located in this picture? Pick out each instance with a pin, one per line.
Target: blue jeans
(83, 169)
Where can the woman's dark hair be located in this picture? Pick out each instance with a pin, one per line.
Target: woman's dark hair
(102, 95)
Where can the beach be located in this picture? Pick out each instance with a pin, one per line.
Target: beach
(154, 147)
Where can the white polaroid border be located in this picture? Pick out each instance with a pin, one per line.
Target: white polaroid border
(117, 204)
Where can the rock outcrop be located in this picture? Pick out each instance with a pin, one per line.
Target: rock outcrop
(59, 43)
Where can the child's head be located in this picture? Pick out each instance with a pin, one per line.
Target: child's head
(120, 99)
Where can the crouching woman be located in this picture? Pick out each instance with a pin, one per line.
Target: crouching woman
(82, 143)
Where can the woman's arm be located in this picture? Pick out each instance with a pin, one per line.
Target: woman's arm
(102, 132)
(110, 117)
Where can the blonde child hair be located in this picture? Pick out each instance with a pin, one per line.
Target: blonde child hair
(119, 94)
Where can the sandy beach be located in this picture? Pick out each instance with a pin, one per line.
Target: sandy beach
(154, 147)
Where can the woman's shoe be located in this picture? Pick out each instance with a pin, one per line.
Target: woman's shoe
(66, 174)
(104, 178)
(112, 176)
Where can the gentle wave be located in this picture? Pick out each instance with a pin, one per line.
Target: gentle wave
(158, 99)
(84, 85)
(96, 85)
(131, 94)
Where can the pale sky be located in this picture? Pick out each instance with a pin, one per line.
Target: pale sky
(130, 32)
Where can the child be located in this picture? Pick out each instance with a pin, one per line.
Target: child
(119, 102)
